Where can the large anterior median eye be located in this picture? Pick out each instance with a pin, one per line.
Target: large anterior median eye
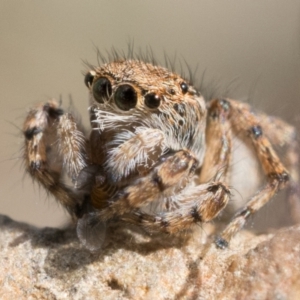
(101, 89)
(125, 97)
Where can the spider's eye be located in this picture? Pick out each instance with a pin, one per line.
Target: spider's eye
(101, 89)
(184, 87)
(89, 78)
(152, 100)
(125, 97)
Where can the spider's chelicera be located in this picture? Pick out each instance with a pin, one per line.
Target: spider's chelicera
(157, 156)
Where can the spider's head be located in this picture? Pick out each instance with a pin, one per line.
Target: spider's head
(131, 93)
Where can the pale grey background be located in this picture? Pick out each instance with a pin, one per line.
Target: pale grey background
(43, 43)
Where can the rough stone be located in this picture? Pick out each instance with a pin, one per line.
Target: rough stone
(51, 264)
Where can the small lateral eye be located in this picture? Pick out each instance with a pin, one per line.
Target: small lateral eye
(89, 78)
(125, 97)
(102, 89)
(184, 87)
(152, 100)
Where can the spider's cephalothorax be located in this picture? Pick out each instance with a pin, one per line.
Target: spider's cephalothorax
(158, 155)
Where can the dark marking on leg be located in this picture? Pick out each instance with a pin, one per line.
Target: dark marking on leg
(214, 114)
(281, 177)
(225, 104)
(213, 188)
(158, 181)
(194, 168)
(225, 189)
(195, 215)
(53, 112)
(35, 165)
(221, 243)
(246, 212)
(164, 223)
(256, 131)
(53, 186)
(31, 132)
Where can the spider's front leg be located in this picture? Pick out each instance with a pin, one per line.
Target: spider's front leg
(54, 144)
(245, 122)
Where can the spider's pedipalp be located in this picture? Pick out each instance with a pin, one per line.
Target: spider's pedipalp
(141, 148)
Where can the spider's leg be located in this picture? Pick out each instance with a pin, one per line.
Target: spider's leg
(244, 121)
(218, 143)
(198, 204)
(53, 143)
(283, 135)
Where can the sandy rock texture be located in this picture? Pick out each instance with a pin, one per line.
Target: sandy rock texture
(51, 264)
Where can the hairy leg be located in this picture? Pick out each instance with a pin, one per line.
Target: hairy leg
(244, 121)
(284, 136)
(53, 143)
(218, 143)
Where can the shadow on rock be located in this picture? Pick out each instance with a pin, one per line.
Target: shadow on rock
(66, 255)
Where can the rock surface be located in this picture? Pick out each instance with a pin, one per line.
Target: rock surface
(51, 264)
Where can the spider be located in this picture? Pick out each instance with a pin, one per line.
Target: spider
(157, 156)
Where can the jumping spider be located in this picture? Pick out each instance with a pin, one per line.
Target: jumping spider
(158, 156)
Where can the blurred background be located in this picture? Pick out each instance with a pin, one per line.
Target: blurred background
(248, 50)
